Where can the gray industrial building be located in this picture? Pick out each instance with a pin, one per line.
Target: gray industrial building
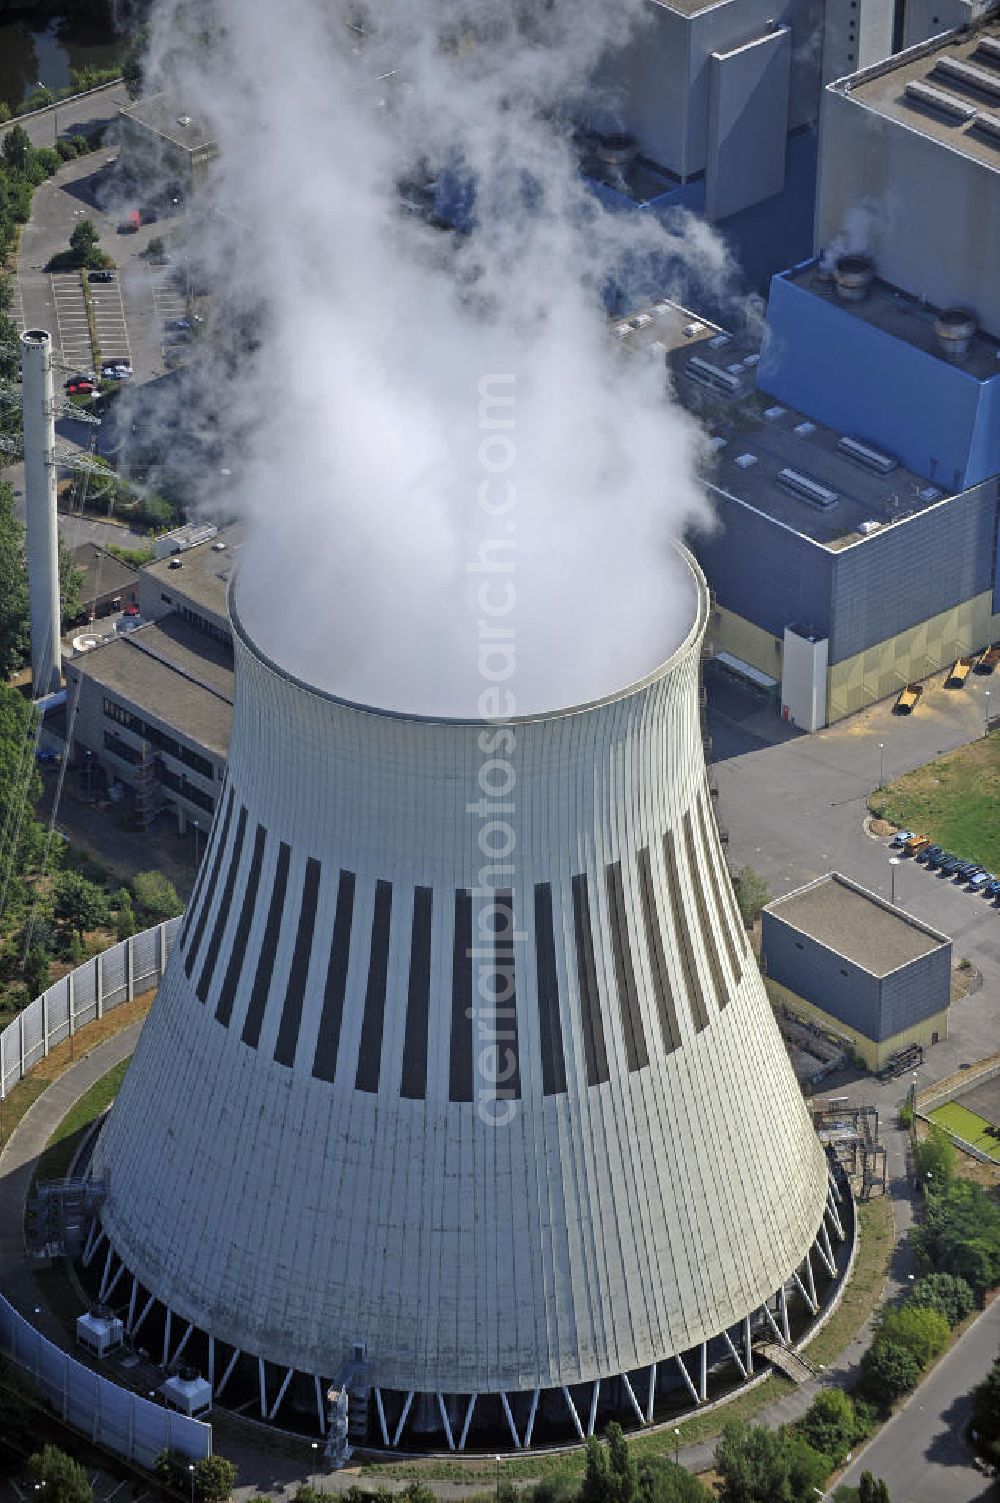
(160, 141)
(152, 706)
(858, 965)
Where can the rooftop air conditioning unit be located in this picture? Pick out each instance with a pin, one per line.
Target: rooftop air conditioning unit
(807, 489)
(872, 459)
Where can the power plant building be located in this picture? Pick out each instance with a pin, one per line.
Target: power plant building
(857, 451)
(487, 1118)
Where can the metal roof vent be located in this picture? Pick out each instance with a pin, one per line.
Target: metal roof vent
(617, 151)
(854, 275)
(953, 331)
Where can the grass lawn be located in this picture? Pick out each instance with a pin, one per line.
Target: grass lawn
(875, 1242)
(62, 1145)
(957, 1119)
(954, 800)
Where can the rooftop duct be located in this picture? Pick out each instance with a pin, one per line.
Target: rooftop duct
(853, 275)
(953, 331)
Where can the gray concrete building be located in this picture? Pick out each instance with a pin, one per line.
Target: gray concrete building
(161, 142)
(858, 965)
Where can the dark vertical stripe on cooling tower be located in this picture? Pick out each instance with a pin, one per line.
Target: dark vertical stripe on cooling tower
(224, 1006)
(699, 876)
(549, 1021)
(657, 956)
(370, 1050)
(291, 1013)
(414, 1082)
(723, 890)
(628, 997)
(206, 902)
(460, 1053)
(595, 1051)
(199, 883)
(328, 1042)
(222, 916)
(269, 944)
(502, 1000)
(689, 966)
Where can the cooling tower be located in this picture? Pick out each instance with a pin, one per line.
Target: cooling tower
(462, 1084)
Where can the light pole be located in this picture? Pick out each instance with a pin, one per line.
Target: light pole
(881, 764)
(498, 1479)
(894, 861)
(677, 1445)
(191, 1475)
(986, 723)
(55, 109)
(314, 1444)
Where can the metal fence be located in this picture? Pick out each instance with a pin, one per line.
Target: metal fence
(115, 976)
(114, 1417)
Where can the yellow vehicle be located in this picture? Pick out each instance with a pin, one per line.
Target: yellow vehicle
(959, 673)
(907, 698)
(914, 844)
(987, 661)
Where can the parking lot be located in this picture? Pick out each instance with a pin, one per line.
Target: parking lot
(110, 322)
(72, 331)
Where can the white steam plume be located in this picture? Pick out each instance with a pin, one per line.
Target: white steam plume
(363, 468)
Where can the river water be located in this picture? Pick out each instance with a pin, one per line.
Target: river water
(37, 51)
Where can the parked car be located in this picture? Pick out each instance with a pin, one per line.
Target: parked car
(131, 609)
(948, 865)
(980, 881)
(930, 854)
(915, 843)
(100, 276)
(902, 836)
(992, 889)
(967, 869)
(80, 388)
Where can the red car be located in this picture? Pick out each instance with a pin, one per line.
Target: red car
(131, 609)
(76, 388)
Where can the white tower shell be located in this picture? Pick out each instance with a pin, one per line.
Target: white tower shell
(308, 1152)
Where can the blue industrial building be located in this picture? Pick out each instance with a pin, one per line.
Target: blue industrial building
(859, 966)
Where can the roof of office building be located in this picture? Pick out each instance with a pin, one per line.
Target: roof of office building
(661, 328)
(948, 89)
(756, 439)
(856, 924)
(201, 574)
(165, 116)
(173, 673)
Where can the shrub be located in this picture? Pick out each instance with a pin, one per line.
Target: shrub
(921, 1331)
(906, 1116)
(936, 1156)
(214, 1479)
(62, 1479)
(946, 1293)
(888, 1370)
(830, 1424)
(156, 896)
(960, 1234)
(48, 158)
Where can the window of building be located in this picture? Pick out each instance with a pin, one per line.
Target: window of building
(167, 599)
(119, 748)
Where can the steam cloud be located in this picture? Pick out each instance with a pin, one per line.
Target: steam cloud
(361, 462)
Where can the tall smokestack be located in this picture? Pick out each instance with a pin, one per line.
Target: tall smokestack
(40, 493)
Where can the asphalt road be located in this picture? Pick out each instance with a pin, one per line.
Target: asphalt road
(921, 1452)
(84, 114)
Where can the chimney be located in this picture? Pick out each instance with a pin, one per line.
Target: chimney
(953, 331)
(40, 505)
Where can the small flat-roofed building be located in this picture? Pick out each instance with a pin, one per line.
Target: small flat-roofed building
(154, 708)
(160, 140)
(106, 584)
(193, 582)
(854, 963)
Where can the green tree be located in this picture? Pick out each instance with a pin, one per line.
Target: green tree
(830, 1424)
(79, 905)
(960, 1234)
(84, 240)
(946, 1293)
(17, 150)
(63, 1479)
(416, 1492)
(622, 1474)
(214, 1479)
(986, 1413)
(13, 587)
(20, 786)
(921, 1330)
(306, 1493)
(752, 894)
(872, 1489)
(596, 1484)
(70, 580)
(125, 924)
(808, 1468)
(936, 1156)
(661, 1481)
(36, 971)
(753, 1464)
(888, 1370)
(156, 896)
